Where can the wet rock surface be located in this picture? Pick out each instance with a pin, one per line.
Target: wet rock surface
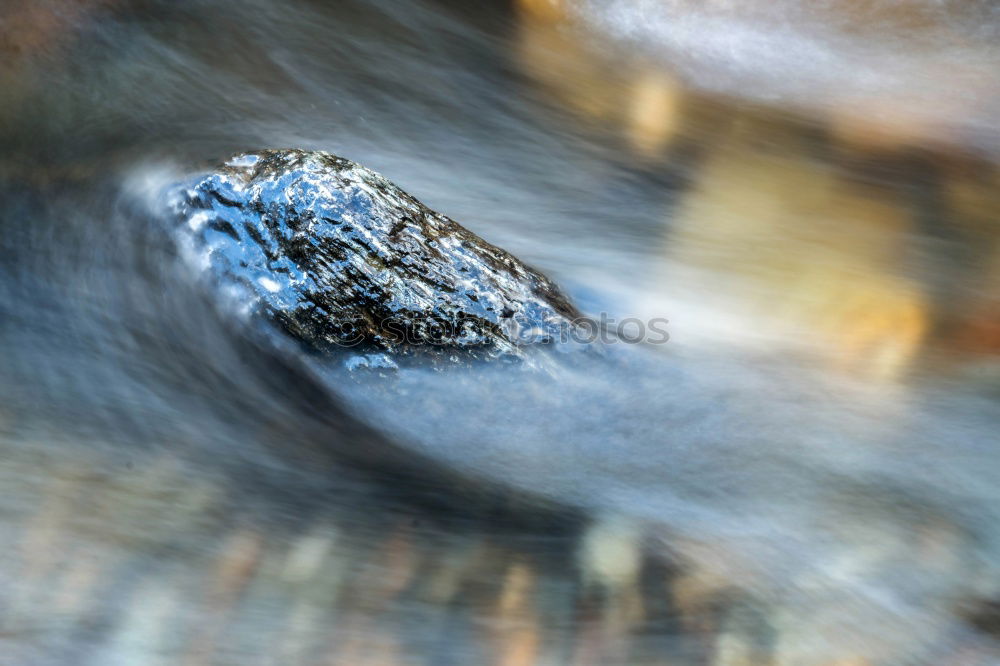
(339, 257)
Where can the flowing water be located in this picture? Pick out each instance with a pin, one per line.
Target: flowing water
(799, 467)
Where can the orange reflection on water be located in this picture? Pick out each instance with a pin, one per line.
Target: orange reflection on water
(801, 254)
(784, 236)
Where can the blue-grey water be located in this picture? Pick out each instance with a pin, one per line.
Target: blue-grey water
(804, 473)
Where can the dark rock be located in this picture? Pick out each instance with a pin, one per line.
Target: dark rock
(339, 256)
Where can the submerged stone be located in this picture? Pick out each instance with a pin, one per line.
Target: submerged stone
(338, 256)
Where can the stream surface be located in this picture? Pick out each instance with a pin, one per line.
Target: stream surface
(804, 197)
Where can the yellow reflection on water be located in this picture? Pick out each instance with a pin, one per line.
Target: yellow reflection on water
(802, 253)
(578, 71)
(783, 235)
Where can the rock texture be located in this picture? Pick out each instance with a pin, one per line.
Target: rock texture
(339, 257)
